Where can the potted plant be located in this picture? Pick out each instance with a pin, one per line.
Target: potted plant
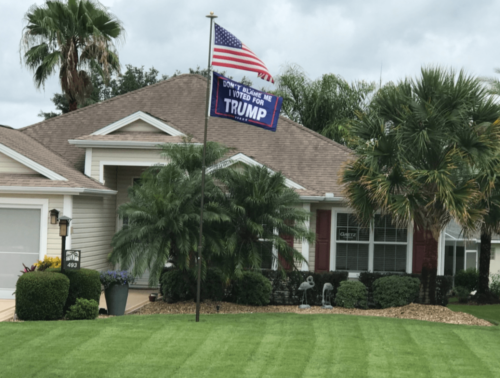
(116, 290)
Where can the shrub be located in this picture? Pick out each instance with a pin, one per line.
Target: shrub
(41, 296)
(83, 309)
(213, 286)
(395, 291)
(463, 294)
(178, 285)
(495, 285)
(252, 289)
(48, 262)
(467, 278)
(351, 294)
(84, 283)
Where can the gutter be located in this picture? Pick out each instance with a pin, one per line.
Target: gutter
(42, 190)
(120, 144)
(321, 199)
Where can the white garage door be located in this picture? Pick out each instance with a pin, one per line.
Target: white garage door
(19, 243)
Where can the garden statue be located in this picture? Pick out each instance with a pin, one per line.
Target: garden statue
(304, 286)
(328, 287)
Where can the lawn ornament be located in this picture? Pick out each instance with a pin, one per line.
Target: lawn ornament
(304, 286)
(328, 287)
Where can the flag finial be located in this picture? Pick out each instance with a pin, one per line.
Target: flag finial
(212, 15)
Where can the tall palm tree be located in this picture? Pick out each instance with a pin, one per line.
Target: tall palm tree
(262, 211)
(73, 36)
(419, 149)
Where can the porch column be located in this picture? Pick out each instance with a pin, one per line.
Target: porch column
(68, 211)
(305, 243)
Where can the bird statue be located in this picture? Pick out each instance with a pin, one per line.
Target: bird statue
(328, 287)
(304, 286)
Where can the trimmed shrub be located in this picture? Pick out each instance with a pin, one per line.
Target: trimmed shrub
(351, 294)
(83, 309)
(462, 293)
(84, 283)
(177, 285)
(395, 291)
(495, 285)
(252, 289)
(213, 286)
(41, 296)
(467, 278)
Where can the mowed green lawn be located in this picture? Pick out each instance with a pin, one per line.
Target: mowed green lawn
(490, 313)
(253, 345)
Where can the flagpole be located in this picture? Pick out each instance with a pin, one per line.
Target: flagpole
(200, 243)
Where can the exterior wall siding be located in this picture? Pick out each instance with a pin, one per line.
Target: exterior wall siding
(53, 238)
(122, 155)
(94, 224)
(9, 165)
(139, 126)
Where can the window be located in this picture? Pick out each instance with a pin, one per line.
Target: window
(353, 242)
(390, 244)
(492, 253)
(356, 244)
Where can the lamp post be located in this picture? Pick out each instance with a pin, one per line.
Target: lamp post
(64, 222)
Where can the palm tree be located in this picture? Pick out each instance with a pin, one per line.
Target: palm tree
(163, 215)
(419, 149)
(489, 181)
(262, 211)
(74, 37)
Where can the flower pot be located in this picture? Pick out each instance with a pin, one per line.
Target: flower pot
(116, 299)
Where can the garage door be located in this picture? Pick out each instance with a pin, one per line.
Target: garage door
(19, 243)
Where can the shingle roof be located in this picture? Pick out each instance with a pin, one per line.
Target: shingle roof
(33, 150)
(303, 156)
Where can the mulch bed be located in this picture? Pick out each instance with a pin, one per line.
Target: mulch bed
(415, 311)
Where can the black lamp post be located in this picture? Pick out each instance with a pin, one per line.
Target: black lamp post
(63, 232)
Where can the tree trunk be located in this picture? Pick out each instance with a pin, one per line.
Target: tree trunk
(429, 268)
(73, 105)
(431, 253)
(483, 294)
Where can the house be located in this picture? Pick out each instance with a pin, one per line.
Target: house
(82, 163)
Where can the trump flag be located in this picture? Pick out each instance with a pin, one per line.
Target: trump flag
(242, 103)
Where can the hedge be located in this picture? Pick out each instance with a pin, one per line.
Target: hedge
(395, 291)
(84, 283)
(351, 294)
(443, 285)
(41, 296)
(252, 288)
(180, 285)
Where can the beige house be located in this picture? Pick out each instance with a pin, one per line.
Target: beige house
(82, 163)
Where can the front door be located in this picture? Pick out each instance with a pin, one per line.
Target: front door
(323, 236)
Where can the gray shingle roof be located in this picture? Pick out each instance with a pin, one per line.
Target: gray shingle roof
(303, 156)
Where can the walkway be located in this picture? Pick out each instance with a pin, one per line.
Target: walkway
(136, 299)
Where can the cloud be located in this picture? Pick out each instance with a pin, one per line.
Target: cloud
(360, 40)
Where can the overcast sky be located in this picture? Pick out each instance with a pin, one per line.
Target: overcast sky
(359, 40)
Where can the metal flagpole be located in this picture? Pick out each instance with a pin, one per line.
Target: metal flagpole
(200, 243)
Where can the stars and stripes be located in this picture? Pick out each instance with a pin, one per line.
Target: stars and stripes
(230, 52)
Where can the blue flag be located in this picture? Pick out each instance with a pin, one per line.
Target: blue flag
(234, 100)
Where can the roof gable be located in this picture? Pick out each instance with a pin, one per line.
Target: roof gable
(138, 122)
(242, 158)
(25, 165)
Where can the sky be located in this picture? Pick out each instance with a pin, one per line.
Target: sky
(369, 40)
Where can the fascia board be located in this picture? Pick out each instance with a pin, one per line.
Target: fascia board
(134, 117)
(120, 144)
(31, 164)
(242, 158)
(48, 190)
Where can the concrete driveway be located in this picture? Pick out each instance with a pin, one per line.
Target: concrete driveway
(136, 299)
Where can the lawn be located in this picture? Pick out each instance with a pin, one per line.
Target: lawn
(490, 313)
(253, 345)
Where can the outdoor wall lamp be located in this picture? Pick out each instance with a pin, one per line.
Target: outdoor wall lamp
(54, 216)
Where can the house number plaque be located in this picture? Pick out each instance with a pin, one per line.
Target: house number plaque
(72, 260)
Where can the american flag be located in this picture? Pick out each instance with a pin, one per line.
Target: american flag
(230, 52)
